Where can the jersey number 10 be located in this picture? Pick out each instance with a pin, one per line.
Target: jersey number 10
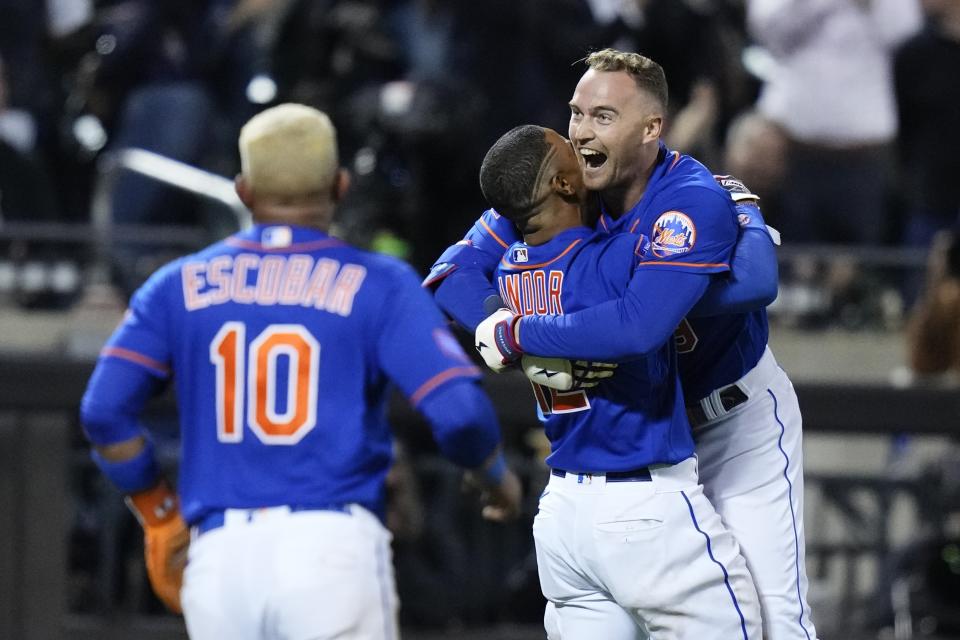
(257, 368)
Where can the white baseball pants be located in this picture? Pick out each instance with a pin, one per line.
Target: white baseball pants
(636, 560)
(273, 574)
(751, 467)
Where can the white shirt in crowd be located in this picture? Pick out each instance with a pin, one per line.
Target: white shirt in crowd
(832, 83)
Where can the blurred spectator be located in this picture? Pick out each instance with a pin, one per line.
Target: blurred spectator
(927, 75)
(933, 333)
(160, 76)
(831, 89)
(756, 152)
(522, 56)
(23, 30)
(26, 192)
(696, 43)
(329, 50)
(424, 31)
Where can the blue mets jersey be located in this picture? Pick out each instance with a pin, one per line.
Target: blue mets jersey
(281, 342)
(714, 351)
(635, 419)
(690, 221)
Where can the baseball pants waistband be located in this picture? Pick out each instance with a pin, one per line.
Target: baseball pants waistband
(216, 519)
(634, 475)
(725, 399)
(664, 477)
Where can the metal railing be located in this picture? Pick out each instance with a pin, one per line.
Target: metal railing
(154, 166)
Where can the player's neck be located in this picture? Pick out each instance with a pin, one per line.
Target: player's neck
(545, 227)
(316, 217)
(617, 200)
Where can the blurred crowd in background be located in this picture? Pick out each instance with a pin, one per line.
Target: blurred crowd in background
(844, 115)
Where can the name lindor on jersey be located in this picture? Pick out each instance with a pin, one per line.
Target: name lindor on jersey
(249, 278)
(533, 292)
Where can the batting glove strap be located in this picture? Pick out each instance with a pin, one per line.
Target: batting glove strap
(495, 339)
(504, 333)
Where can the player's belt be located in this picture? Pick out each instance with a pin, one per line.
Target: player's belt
(634, 475)
(728, 397)
(216, 519)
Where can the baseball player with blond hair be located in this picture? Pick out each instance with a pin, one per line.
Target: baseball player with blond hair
(283, 342)
(742, 406)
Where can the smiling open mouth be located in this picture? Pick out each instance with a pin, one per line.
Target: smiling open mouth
(593, 159)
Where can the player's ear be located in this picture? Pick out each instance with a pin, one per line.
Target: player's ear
(244, 191)
(654, 128)
(341, 184)
(562, 185)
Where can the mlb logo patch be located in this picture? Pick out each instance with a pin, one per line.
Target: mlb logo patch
(276, 237)
(743, 219)
(520, 255)
(673, 234)
(642, 248)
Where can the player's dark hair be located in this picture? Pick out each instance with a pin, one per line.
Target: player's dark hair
(510, 171)
(648, 75)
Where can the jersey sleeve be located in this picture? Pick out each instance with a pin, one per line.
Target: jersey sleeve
(133, 366)
(421, 356)
(142, 338)
(631, 326)
(414, 347)
(754, 274)
(492, 234)
(480, 248)
(696, 233)
(461, 276)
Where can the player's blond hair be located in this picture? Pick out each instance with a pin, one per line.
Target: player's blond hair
(289, 150)
(648, 75)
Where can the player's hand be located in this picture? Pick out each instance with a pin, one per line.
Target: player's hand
(587, 375)
(496, 340)
(166, 539)
(564, 375)
(556, 373)
(501, 502)
(737, 190)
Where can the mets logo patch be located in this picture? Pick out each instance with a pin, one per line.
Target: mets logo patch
(673, 234)
(520, 255)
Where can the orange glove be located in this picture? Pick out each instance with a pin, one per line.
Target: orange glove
(165, 541)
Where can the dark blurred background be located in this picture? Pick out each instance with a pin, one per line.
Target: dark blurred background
(118, 128)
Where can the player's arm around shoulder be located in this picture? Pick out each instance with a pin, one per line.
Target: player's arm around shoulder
(753, 281)
(460, 278)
